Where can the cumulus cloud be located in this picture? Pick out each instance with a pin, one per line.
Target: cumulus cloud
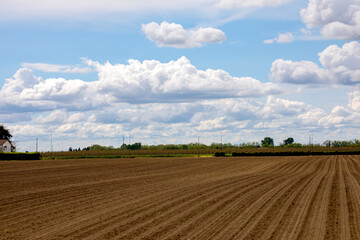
(277, 107)
(340, 65)
(175, 81)
(46, 67)
(229, 4)
(174, 35)
(354, 101)
(158, 102)
(26, 92)
(239, 119)
(136, 82)
(311, 117)
(340, 117)
(339, 19)
(60, 117)
(337, 118)
(211, 124)
(283, 38)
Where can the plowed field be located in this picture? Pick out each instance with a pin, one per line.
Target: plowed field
(182, 198)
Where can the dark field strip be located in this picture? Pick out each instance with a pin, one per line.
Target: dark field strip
(302, 197)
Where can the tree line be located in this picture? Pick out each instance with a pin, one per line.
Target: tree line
(266, 142)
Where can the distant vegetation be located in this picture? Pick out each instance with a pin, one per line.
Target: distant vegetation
(265, 147)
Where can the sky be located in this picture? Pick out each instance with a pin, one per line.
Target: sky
(76, 73)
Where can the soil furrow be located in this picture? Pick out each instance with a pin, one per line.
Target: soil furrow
(132, 211)
(305, 197)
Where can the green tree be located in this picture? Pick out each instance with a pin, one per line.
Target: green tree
(267, 142)
(135, 146)
(4, 133)
(288, 141)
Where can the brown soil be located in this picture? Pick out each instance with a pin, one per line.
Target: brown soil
(182, 198)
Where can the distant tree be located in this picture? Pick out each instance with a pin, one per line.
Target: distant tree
(327, 143)
(4, 133)
(97, 147)
(135, 146)
(123, 146)
(70, 149)
(267, 142)
(288, 141)
(249, 145)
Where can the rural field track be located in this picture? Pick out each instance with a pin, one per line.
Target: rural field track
(305, 197)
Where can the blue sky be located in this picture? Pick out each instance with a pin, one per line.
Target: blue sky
(94, 71)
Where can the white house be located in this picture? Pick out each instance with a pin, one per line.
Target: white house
(5, 145)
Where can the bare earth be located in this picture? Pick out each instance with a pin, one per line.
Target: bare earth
(182, 198)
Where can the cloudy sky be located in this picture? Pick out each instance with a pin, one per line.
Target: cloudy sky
(93, 72)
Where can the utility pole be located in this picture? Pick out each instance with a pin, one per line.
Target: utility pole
(36, 145)
(312, 139)
(198, 146)
(221, 142)
(51, 145)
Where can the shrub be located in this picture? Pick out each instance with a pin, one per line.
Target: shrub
(220, 154)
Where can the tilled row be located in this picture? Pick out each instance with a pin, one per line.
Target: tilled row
(307, 197)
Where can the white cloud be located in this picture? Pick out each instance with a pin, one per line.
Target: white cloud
(26, 92)
(339, 19)
(338, 116)
(165, 123)
(283, 38)
(211, 124)
(87, 9)
(174, 35)
(303, 72)
(57, 116)
(45, 67)
(311, 117)
(60, 117)
(339, 66)
(229, 4)
(176, 81)
(158, 102)
(277, 108)
(269, 41)
(354, 101)
(306, 32)
(346, 58)
(136, 82)
(19, 10)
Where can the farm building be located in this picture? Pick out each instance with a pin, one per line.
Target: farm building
(5, 145)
